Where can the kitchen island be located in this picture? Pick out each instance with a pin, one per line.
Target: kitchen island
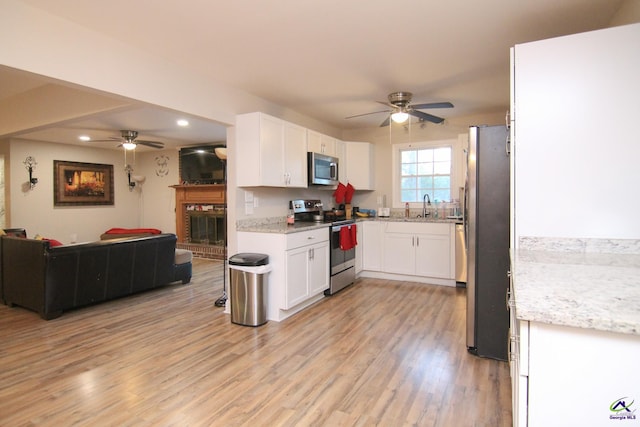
(575, 331)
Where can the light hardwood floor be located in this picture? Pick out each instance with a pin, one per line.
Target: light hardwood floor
(378, 353)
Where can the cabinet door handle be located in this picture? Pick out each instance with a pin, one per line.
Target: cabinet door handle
(311, 254)
(417, 241)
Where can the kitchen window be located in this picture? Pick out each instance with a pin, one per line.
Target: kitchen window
(423, 169)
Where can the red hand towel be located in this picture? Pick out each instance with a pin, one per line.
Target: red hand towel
(345, 239)
(354, 235)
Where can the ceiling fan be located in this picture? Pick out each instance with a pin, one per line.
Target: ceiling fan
(402, 108)
(129, 141)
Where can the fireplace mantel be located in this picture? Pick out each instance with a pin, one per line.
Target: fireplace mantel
(196, 194)
(201, 193)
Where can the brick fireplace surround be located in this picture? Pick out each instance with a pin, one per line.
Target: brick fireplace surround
(197, 194)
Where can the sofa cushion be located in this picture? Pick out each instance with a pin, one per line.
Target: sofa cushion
(183, 256)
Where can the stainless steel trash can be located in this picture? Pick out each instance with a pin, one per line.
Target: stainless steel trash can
(248, 288)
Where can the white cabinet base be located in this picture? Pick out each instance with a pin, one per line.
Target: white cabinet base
(278, 247)
(407, 278)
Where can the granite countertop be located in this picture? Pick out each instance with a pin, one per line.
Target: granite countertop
(410, 219)
(577, 288)
(279, 225)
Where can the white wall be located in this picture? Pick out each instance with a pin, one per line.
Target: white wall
(576, 135)
(157, 199)
(384, 139)
(34, 209)
(41, 43)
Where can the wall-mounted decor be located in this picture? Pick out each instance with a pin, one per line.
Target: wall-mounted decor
(162, 165)
(82, 184)
(30, 163)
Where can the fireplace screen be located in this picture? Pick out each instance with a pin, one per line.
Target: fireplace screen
(207, 226)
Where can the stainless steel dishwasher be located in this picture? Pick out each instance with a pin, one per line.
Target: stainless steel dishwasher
(461, 255)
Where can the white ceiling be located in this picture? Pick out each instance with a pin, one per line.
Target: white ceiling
(325, 59)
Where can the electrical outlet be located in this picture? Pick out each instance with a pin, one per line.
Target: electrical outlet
(248, 196)
(256, 202)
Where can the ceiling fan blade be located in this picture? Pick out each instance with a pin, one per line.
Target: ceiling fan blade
(153, 144)
(425, 116)
(395, 107)
(386, 122)
(432, 105)
(366, 114)
(105, 140)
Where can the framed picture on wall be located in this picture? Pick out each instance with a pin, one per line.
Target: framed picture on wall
(82, 184)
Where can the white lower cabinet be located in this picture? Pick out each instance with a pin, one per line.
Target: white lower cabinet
(307, 272)
(409, 250)
(399, 253)
(299, 267)
(518, 362)
(371, 243)
(570, 376)
(359, 238)
(421, 249)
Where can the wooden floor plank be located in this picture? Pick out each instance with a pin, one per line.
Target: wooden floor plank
(378, 353)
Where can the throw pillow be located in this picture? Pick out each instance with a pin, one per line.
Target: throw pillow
(52, 242)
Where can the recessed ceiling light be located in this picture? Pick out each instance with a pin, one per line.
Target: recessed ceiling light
(183, 122)
(84, 138)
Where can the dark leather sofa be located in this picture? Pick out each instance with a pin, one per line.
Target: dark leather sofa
(50, 280)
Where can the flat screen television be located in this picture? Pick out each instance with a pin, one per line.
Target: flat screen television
(200, 165)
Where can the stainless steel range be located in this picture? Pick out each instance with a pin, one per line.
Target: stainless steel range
(342, 257)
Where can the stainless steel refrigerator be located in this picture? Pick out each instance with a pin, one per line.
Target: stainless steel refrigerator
(487, 225)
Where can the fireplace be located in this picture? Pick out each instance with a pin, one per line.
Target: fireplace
(200, 219)
(206, 224)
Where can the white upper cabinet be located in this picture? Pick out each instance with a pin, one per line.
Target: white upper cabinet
(358, 165)
(272, 152)
(295, 155)
(319, 143)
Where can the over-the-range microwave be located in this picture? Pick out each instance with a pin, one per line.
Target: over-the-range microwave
(322, 169)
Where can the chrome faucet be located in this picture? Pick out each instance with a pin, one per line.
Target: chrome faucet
(424, 205)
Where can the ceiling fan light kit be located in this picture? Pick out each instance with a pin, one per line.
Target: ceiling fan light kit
(399, 117)
(129, 140)
(401, 109)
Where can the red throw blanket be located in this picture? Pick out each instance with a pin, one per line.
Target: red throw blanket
(132, 230)
(348, 239)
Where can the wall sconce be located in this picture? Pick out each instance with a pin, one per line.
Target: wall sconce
(30, 164)
(132, 179)
(128, 169)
